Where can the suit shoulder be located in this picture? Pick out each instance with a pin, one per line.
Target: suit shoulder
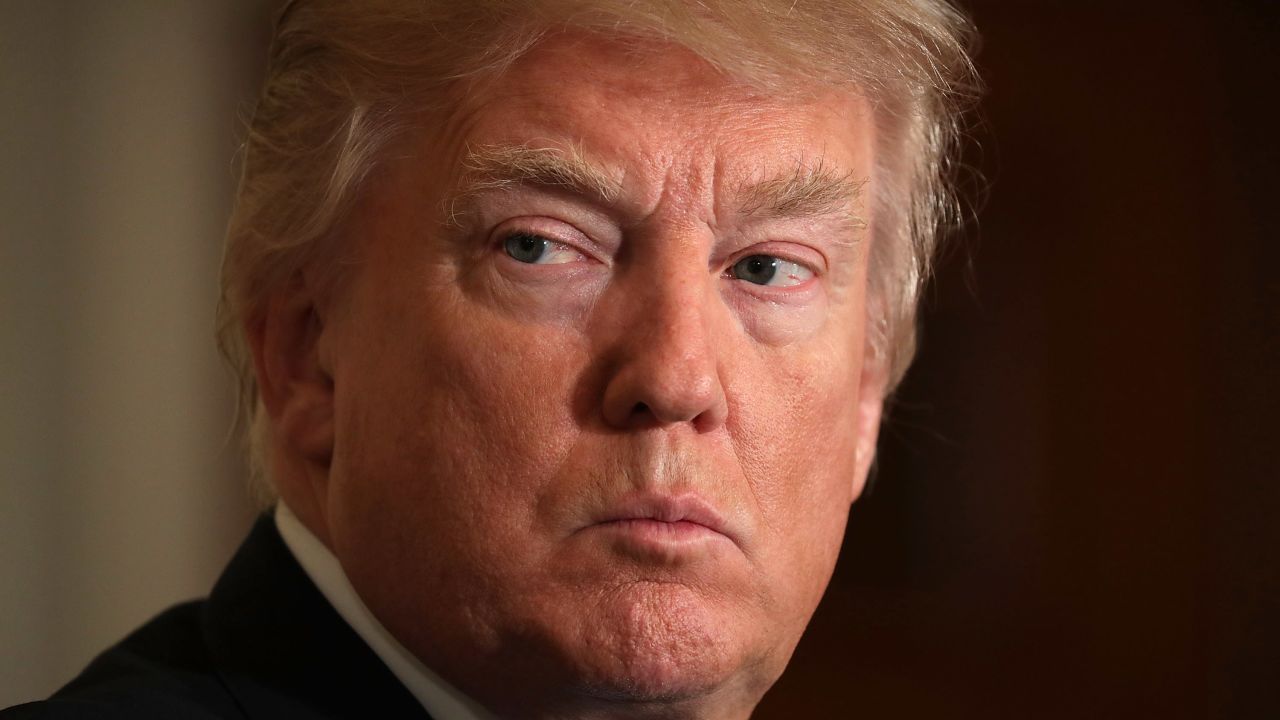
(107, 708)
(160, 670)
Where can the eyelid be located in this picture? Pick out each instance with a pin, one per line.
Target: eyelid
(812, 260)
(550, 229)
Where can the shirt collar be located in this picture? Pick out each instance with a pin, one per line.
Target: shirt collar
(441, 700)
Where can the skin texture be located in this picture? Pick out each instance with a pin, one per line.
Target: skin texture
(459, 426)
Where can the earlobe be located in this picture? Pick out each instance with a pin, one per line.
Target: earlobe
(294, 378)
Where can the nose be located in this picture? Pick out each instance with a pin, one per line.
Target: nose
(668, 363)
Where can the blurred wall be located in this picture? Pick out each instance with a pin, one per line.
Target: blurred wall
(119, 493)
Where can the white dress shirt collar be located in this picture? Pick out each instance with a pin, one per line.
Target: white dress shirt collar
(441, 700)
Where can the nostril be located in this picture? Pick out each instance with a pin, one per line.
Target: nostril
(640, 409)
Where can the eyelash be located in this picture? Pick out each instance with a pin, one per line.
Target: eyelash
(505, 237)
(769, 250)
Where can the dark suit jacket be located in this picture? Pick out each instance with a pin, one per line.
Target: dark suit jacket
(266, 644)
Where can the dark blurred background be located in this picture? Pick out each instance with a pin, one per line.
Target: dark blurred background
(1077, 498)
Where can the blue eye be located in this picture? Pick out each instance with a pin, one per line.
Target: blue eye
(758, 269)
(526, 248)
(770, 270)
(533, 249)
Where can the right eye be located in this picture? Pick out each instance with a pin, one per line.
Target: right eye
(534, 249)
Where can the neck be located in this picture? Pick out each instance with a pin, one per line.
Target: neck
(297, 489)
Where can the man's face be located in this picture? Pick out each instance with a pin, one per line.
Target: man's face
(598, 379)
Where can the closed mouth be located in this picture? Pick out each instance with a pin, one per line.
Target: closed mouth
(664, 518)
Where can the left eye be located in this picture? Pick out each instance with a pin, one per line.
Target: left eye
(770, 270)
(537, 250)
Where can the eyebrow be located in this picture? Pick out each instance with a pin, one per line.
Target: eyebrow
(497, 167)
(807, 191)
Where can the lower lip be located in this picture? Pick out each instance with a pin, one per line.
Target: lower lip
(656, 538)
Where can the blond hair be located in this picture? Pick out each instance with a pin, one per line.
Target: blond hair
(346, 78)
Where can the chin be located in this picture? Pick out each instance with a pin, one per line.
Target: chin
(659, 642)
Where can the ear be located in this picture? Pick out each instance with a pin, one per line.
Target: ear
(295, 377)
(871, 391)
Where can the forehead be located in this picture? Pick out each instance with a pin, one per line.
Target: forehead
(643, 106)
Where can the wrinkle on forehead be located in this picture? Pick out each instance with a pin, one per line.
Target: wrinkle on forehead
(804, 190)
(588, 137)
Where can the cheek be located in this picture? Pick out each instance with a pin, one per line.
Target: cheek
(803, 439)
(448, 424)
(796, 435)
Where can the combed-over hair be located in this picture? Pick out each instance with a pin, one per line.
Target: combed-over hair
(348, 77)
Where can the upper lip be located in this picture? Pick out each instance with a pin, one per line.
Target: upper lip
(687, 507)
